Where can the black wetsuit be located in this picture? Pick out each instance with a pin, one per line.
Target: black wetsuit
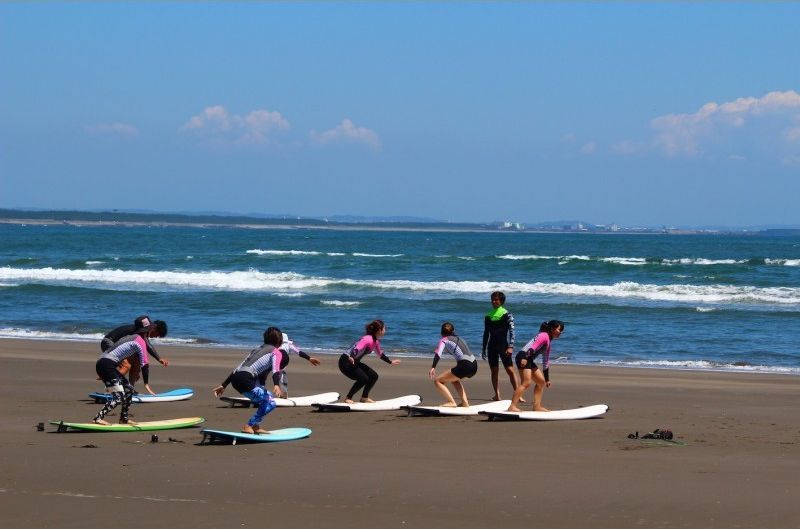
(125, 330)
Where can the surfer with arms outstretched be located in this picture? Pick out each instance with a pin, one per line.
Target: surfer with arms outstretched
(352, 367)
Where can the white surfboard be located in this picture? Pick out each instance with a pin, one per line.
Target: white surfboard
(499, 405)
(322, 398)
(381, 405)
(586, 412)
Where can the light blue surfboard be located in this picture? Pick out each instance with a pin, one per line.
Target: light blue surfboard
(167, 396)
(272, 436)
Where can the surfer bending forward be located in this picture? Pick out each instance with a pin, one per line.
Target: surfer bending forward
(351, 366)
(250, 377)
(131, 350)
(529, 372)
(466, 365)
(498, 342)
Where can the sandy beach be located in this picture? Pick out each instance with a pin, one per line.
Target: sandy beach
(736, 462)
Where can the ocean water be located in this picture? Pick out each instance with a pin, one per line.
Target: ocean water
(682, 301)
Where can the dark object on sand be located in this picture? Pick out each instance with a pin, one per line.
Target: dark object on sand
(658, 433)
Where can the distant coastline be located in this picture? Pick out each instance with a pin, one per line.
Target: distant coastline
(131, 219)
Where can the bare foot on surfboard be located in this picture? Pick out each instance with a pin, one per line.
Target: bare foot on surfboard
(101, 422)
(450, 404)
(367, 400)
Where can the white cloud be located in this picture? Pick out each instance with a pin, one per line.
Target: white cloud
(112, 129)
(256, 127)
(347, 132)
(589, 148)
(693, 135)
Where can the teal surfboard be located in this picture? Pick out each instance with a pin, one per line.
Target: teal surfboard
(169, 424)
(272, 436)
(166, 396)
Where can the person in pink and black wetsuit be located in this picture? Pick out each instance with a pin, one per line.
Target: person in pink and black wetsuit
(132, 348)
(529, 372)
(466, 365)
(352, 367)
(250, 377)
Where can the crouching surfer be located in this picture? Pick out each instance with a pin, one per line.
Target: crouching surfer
(249, 378)
(466, 366)
(529, 372)
(129, 351)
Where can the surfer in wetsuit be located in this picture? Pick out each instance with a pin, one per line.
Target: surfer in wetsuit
(466, 365)
(498, 342)
(158, 329)
(529, 372)
(351, 366)
(133, 349)
(249, 378)
(288, 347)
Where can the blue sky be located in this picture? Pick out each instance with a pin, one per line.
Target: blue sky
(639, 114)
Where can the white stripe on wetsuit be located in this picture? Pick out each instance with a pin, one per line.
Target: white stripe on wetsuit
(448, 346)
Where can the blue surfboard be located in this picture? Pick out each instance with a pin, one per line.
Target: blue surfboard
(272, 436)
(167, 396)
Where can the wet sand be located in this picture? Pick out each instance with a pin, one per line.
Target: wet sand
(736, 461)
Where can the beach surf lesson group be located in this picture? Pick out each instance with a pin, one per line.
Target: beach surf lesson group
(261, 380)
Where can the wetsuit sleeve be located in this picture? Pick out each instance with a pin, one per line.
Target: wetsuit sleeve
(511, 330)
(227, 380)
(276, 366)
(546, 373)
(152, 352)
(303, 355)
(386, 359)
(146, 373)
(485, 341)
(438, 354)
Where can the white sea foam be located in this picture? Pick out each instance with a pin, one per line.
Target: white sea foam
(287, 282)
(12, 332)
(534, 257)
(783, 262)
(705, 309)
(337, 303)
(703, 365)
(632, 261)
(94, 263)
(356, 254)
(703, 262)
(281, 252)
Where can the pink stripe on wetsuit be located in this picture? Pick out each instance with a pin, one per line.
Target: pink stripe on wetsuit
(539, 345)
(366, 345)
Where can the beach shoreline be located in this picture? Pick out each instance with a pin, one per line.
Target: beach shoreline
(734, 462)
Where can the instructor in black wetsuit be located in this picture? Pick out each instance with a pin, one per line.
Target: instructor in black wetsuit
(158, 329)
(498, 342)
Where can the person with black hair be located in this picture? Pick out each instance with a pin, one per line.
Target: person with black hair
(250, 377)
(466, 365)
(132, 350)
(157, 329)
(352, 367)
(498, 342)
(136, 365)
(528, 370)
